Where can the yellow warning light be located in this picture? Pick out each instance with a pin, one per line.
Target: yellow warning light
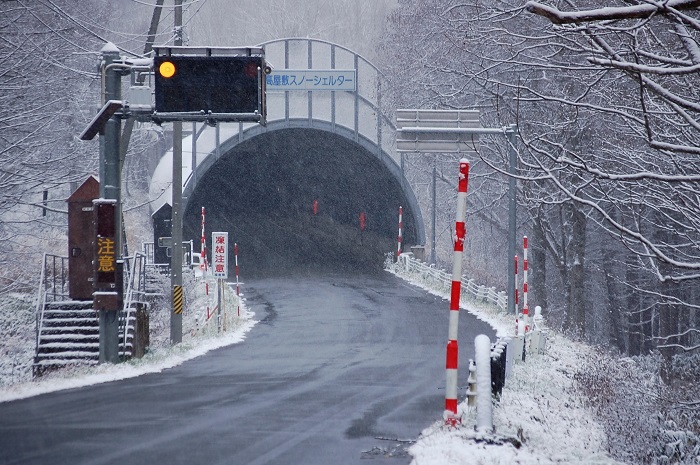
(167, 69)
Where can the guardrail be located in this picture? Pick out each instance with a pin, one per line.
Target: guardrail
(441, 281)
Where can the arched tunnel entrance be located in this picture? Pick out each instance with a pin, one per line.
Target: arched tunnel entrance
(262, 192)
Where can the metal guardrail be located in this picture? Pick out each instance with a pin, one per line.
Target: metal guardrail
(441, 281)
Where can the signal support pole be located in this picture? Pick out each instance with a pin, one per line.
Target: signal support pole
(110, 188)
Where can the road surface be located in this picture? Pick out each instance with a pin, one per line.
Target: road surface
(339, 370)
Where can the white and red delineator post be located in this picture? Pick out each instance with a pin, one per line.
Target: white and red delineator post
(203, 263)
(398, 250)
(517, 303)
(203, 247)
(452, 359)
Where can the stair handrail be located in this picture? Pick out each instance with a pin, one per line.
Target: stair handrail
(45, 288)
(40, 300)
(133, 283)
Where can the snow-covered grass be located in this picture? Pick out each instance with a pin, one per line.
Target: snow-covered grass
(199, 337)
(541, 418)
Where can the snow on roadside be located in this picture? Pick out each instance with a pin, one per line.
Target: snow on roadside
(156, 360)
(541, 417)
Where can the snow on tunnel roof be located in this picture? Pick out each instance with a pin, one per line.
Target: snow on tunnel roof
(160, 190)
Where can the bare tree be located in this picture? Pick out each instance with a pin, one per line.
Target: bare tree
(607, 114)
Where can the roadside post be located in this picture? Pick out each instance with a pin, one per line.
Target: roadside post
(219, 242)
(484, 407)
(400, 240)
(452, 360)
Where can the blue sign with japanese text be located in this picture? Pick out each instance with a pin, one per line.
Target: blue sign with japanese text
(311, 80)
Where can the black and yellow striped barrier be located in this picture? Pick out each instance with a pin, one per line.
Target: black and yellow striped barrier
(177, 300)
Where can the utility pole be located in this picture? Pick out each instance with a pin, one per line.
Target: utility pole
(433, 241)
(511, 133)
(176, 225)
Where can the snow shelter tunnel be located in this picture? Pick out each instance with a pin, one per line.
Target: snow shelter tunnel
(262, 192)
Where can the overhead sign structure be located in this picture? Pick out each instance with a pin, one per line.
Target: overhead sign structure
(443, 131)
(203, 84)
(311, 80)
(220, 255)
(450, 131)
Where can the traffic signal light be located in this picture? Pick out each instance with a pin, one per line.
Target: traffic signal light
(224, 86)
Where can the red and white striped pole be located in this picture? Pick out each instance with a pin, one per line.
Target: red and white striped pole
(238, 289)
(203, 263)
(452, 346)
(526, 311)
(203, 246)
(398, 250)
(517, 303)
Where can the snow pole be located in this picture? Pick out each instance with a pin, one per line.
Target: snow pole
(203, 263)
(203, 246)
(526, 311)
(398, 250)
(517, 304)
(452, 346)
(238, 289)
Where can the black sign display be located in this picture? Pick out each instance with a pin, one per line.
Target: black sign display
(209, 84)
(105, 246)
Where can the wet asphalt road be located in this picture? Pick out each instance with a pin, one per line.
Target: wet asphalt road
(336, 370)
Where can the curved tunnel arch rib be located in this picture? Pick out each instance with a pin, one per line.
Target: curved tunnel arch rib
(262, 187)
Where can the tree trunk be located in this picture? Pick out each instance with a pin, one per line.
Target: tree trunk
(614, 304)
(577, 274)
(538, 269)
(634, 311)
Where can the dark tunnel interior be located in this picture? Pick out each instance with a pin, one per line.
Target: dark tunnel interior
(262, 192)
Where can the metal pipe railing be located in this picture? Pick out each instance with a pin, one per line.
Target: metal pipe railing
(440, 281)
